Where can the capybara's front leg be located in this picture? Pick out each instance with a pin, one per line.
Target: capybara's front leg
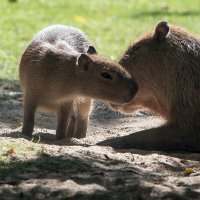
(82, 117)
(63, 118)
(29, 113)
(164, 138)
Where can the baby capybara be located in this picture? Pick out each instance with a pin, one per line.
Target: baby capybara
(61, 72)
(166, 65)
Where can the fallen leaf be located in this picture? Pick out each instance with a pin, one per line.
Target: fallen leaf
(189, 170)
(10, 151)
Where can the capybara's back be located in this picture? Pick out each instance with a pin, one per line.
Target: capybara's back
(56, 37)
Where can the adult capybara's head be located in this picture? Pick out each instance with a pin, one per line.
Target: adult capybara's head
(162, 62)
(102, 78)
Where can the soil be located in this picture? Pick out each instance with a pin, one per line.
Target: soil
(78, 169)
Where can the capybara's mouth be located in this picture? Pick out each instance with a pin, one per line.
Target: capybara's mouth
(120, 106)
(117, 107)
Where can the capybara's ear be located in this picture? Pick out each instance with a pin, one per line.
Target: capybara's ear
(161, 31)
(91, 50)
(83, 62)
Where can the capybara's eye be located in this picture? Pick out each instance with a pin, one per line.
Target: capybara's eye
(106, 75)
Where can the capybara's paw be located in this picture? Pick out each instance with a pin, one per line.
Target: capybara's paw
(27, 132)
(60, 135)
(116, 143)
(80, 135)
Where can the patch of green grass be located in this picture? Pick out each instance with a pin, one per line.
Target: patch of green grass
(17, 146)
(109, 24)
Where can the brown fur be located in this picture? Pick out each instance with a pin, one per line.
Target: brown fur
(166, 65)
(59, 76)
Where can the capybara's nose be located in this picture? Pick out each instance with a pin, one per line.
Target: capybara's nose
(130, 91)
(133, 89)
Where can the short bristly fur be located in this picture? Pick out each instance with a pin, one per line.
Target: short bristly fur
(61, 72)
(166, 65)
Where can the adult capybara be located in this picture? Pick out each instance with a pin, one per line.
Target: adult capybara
(166, 65)
(60, 71)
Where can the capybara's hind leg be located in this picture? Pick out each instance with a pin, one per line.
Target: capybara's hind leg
(29, 114)
(82, 117)
(63, 118)
(164, 138)
(71, 127)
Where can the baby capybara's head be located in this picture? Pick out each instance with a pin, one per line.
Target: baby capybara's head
(105, 79)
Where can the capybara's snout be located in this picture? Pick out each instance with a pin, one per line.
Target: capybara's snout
(133, 88)
(132, 91)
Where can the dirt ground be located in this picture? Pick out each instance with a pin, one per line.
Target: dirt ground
(43, 168)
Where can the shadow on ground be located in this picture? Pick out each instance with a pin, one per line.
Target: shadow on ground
(70, 177)
(75, 169)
